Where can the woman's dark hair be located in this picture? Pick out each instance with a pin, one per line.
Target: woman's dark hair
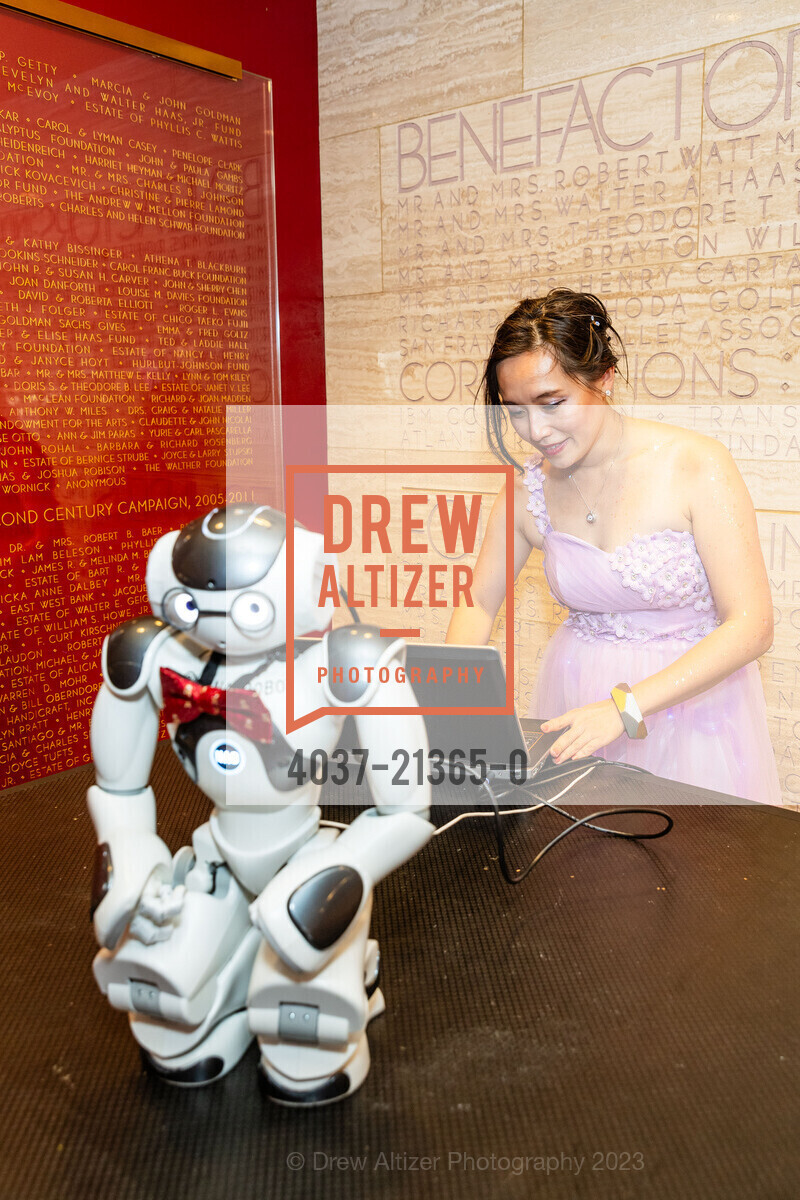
(573, 326)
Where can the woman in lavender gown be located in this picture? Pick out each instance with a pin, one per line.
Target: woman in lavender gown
(650, 540)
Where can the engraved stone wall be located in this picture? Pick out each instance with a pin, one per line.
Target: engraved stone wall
(668, 182)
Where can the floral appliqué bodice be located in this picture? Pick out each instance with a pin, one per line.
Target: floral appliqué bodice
(653, 586)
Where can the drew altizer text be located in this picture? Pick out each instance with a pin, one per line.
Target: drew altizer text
(378, 531)
(448, 584)
(461, 1161)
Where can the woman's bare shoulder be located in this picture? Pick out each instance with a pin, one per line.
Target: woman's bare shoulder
(520, 492)
(685, 449)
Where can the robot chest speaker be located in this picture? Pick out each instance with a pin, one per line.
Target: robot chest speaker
(210, 752)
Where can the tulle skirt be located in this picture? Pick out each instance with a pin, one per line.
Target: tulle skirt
(718, 740)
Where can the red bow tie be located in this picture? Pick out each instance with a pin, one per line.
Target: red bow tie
(241, 708)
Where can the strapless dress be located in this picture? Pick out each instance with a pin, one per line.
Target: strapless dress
(633, 611)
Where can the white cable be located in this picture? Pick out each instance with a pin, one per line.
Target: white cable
(568, 788)
(521, 787)
(464, 816)
(550, 779)
(506, 812)
(532, 808)
(550, 774)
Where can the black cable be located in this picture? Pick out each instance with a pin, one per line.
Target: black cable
(521, 787)
(626, 766)
(521, 874)
(550, 774)
(577, 822)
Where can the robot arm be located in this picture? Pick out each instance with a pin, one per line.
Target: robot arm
(310, 905)
(121, 804)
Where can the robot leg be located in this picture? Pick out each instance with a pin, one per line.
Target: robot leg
(312, 1028)
(187, 995)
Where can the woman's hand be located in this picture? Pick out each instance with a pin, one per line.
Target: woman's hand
(587, 729)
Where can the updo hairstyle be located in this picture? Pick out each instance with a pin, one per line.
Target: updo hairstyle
(574, 327)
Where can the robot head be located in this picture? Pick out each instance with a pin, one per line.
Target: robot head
(222, 579)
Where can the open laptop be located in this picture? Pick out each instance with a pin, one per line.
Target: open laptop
(511, 749)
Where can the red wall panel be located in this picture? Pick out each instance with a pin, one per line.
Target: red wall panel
(278, 40)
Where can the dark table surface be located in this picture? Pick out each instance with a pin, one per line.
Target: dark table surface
(623, 1024)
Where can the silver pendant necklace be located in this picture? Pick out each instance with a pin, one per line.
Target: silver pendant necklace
(591, 515)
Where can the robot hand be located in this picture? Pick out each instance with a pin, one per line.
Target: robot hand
(308, 907)
(155, 918)
(129, 855)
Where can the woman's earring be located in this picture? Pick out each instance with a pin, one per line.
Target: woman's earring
(608, 393)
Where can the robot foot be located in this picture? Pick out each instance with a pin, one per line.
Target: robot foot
(214, 1057)
(294, 1093)
(297, 1093)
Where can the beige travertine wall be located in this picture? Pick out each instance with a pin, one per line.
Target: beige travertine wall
(474, 153)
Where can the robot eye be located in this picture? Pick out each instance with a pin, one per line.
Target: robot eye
(180, 609)
(252, 612)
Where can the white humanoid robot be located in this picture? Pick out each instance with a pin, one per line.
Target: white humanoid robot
(261, 927)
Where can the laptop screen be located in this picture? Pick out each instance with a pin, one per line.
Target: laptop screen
(451, 676)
